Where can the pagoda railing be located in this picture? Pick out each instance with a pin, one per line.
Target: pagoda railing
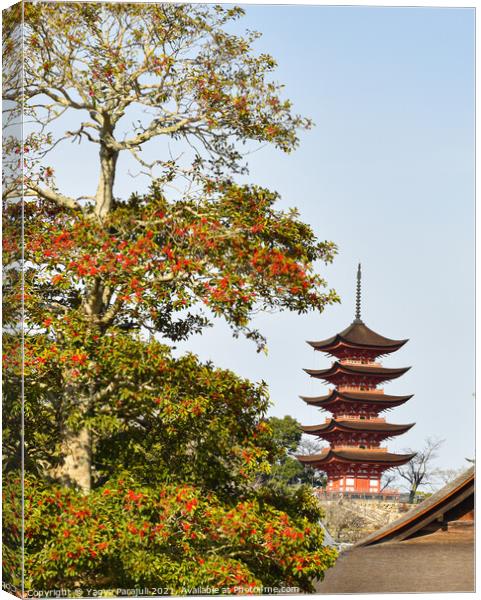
(340, 417)
(351, 388)
(354, 361)
(354, 446)
(384, 496)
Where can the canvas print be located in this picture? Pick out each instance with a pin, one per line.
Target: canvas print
(191, 192)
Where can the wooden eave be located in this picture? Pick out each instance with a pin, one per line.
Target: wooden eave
(360, 426)
(356, 455)
(430, 510)
(338, 367)
(356, 398)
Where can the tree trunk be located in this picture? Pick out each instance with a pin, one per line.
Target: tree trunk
(76, 468)
(105, 195)
(77, 465)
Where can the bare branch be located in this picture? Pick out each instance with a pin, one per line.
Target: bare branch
(49, 194)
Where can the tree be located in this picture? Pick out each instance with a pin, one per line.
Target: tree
(102, 266)
(104, 274)
(419, 470)
(288, 441)
(173, 538)
(445, 476)
(286, 434)
(310, 445)
(388, 477)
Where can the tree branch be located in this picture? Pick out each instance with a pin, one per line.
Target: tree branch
(48, 194)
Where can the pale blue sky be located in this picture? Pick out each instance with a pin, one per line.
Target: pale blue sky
(387, 174)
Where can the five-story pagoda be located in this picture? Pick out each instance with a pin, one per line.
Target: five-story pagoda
(355, 460)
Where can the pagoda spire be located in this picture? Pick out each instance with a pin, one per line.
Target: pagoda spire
(358, 296)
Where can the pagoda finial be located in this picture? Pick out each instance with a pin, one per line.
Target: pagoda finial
(358, 294)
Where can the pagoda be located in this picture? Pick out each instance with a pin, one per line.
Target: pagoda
(355, 459)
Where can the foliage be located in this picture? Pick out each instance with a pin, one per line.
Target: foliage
(165, 418)
(288, 439)
(286, 433)
(314, 477)
(172, 537)
(152, 260)
(105, 274)
(203, 434)
(178, 63)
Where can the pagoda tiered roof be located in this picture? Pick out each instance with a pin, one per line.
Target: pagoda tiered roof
(354, 455)
(354, 461)
(377, 373)
(379, 399)
(366, 425)
(358, 336)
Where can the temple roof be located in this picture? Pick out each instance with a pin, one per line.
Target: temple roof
(354, 455)
(440, 562)
(356, 397)
(358, 334)
(444, 502)
(361, 425)
(429, 549)
(336, 367)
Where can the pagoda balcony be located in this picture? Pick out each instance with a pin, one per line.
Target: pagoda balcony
(351, 388)
(356, 417)
(372, 448)
(358, 361)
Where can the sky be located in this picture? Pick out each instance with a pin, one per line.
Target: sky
(387, 173)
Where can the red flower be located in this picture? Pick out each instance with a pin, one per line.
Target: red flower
(132, 528)
(79, 358)
(191, 504)
(133, 496)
